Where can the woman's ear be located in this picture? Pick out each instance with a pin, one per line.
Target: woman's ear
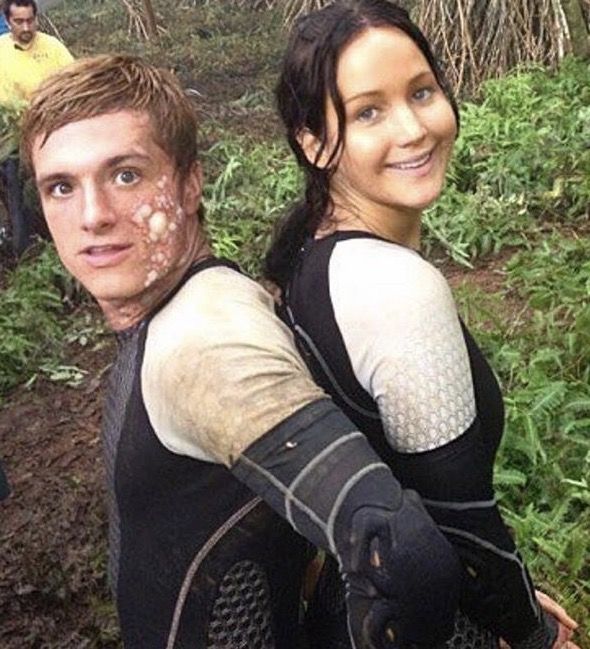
(315, 150)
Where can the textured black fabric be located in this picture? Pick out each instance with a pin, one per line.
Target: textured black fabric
(326, 619)
(544, 636)
(183, 531)
(241, 613)
(458, 472)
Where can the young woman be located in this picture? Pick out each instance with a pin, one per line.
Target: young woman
(372, 123)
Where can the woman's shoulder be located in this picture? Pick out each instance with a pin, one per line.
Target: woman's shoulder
(372, 263)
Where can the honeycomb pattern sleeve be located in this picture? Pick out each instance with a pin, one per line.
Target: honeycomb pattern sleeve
(400, 327)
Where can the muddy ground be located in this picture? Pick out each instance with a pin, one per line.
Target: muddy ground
(52, 531)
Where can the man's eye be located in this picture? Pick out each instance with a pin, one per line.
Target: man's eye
(126, 177)
(58, 190)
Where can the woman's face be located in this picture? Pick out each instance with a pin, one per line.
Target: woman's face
(399, 129)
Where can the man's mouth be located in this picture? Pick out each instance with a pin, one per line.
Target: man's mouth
(105, 255)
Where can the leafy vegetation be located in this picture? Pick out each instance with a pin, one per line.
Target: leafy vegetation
(8, 126)
(521, 160)
(30, 305)
(518, 185)
(254, 186)
(541, 352)
(38, 323)
(521, 163)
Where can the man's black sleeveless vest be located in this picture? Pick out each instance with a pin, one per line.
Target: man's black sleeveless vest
(196, 560)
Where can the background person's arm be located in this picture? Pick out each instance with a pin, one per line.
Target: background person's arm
(4, 488)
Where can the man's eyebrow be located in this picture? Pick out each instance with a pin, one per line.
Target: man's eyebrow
(367, 94)
(109, 163)
(52, 178)
(117, 160)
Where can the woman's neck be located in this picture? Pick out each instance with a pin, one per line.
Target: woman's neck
(396, 225)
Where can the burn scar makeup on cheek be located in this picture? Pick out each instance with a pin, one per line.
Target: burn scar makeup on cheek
(158, 225)
(159, 219)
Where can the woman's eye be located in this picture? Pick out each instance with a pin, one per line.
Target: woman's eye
(126, 177)
(423, 94)
(58, 190)
(367, 114)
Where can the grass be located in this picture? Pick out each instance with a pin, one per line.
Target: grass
(31, 333)
(542, 356)
(519, 185)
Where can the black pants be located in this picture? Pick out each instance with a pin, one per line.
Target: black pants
(4, 488)
(20, 218)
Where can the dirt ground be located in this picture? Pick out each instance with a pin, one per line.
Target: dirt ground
(53, 527)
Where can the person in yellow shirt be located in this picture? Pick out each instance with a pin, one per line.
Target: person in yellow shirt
(27, 57)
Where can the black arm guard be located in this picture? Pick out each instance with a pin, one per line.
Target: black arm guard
(455, 482)
(402, 577)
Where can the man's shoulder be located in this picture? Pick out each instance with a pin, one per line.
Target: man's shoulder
(214, 297)
(6, 41)
(224, 287)
(47, 41)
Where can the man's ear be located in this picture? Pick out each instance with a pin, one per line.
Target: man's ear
(311, 145)
(192, 189)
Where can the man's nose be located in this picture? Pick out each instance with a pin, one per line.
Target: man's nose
(97, 212)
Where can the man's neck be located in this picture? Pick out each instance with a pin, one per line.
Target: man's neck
(23, 46)
(122, 314)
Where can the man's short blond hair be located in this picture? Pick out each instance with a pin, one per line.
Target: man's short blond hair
(107, 84)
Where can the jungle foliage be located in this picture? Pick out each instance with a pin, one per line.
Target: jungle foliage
(517, 197)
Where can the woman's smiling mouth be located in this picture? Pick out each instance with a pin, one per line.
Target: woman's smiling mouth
(412, 163)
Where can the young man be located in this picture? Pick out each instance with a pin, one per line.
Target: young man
(209, 403)
(27, 56)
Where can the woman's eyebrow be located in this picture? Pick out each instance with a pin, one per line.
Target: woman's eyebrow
(366, 94)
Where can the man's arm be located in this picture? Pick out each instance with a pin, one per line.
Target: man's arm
(222, 381)
(402, 579)
(63, 56)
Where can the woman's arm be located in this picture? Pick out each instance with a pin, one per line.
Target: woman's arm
(406, 346)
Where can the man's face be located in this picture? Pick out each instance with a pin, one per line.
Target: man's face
(23, 24)
(121, 220)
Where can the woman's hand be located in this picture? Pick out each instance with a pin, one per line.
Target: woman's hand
(566, 625)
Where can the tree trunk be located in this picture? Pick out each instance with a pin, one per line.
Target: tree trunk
(150, 17)
(576, 25)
